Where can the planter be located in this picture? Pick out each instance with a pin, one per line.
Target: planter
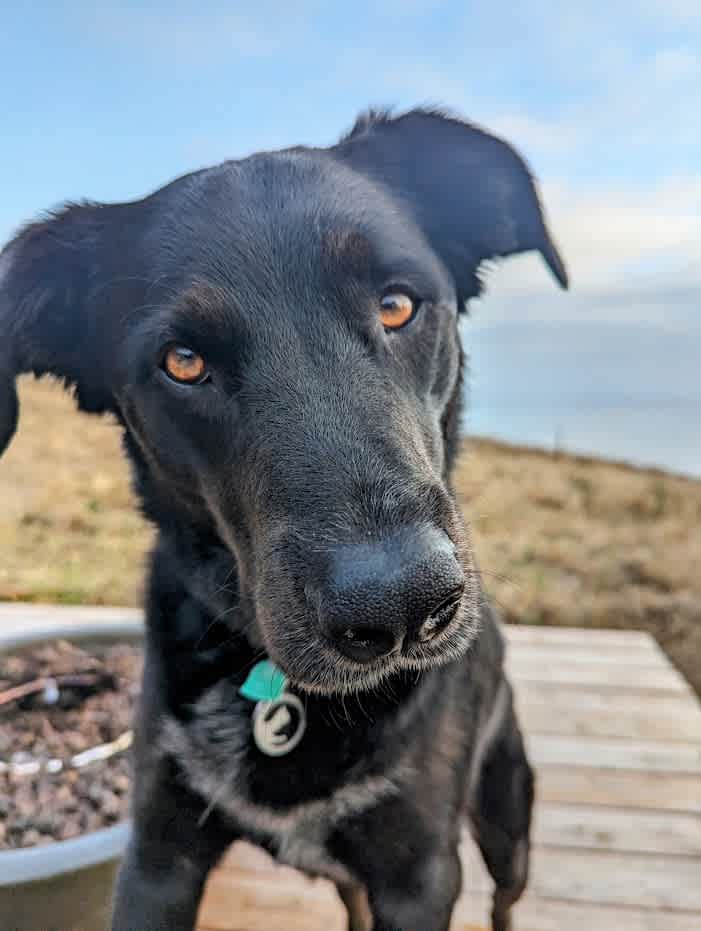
(65, 885)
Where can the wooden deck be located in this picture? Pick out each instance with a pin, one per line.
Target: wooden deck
(615, 734)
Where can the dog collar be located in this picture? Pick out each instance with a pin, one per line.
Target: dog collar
(279, 718)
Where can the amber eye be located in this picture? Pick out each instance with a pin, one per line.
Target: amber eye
(185, 366)
(396, 310)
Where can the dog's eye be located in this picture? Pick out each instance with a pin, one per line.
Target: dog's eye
(396, 310)
(185, 366)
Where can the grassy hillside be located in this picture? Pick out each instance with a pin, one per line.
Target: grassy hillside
(561, 540)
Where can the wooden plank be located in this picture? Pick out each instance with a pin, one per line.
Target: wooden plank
(475, 877)
(591, 696)
(570, 636)
(262, 901)
(547, 654)
(644, 756)
(580, 713)
(609, 674)
(619, 788)
(531, 914)
(249, 858)
(672, 833)
(622, 879)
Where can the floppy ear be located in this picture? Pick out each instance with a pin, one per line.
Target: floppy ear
(471, 193)
(62, 284)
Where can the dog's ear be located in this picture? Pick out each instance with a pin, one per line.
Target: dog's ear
(471, 193)
(62, 294)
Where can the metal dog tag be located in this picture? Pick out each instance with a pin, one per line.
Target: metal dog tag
(279, 725)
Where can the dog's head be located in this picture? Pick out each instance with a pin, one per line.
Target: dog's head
(278, 337)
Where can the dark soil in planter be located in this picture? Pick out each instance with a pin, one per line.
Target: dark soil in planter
(90, 702)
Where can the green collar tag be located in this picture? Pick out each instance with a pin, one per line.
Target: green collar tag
(265, 682)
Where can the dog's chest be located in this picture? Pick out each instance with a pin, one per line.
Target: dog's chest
(214, 752)
(303, 845)
(297, 836)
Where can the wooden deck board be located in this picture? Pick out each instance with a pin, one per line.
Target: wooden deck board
(648, 756)
(624, 789)
(593, 714)
(532, 914)
(605, 673)
(640, 656)
(615, 734)
(600, 828)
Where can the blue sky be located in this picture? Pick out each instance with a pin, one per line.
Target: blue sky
(110, 100)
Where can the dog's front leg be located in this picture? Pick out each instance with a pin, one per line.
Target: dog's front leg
(172, 849)
(407, 863)
(422, 899)
(157, 890)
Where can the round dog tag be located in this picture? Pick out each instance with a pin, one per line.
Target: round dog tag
(278, 726)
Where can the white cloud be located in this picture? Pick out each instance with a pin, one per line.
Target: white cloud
(631, 255)
(611, 123)
(606, 230)
(619, 149)
(650, 100)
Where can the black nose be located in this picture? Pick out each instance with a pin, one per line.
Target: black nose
(380, 597)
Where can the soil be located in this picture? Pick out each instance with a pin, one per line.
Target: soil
(89, 701)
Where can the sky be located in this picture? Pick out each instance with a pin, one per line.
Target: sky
(110, 100)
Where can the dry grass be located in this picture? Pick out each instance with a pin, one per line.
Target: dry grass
(69, 531)
(561, 540)
(566, 540)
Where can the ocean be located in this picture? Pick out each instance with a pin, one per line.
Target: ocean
(607, 390)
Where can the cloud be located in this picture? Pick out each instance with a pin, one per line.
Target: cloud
(635, 104)
(632, 256)
(611, 233)
(606, 113)
(604, 104)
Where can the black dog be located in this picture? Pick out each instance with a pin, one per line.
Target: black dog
(278, 337)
